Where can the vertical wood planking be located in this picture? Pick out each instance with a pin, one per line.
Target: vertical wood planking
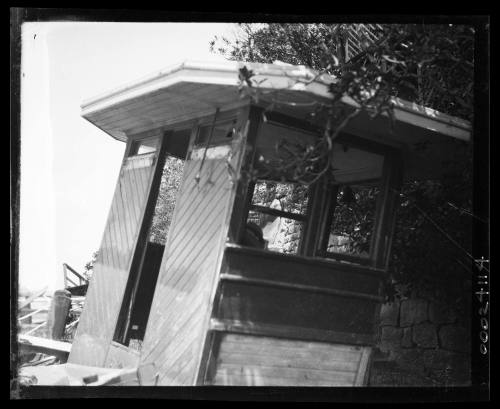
(104, 296)
(174, 333)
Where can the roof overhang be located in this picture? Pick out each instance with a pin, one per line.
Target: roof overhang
(191, 90)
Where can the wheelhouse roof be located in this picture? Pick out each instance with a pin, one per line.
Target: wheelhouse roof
(193, 89)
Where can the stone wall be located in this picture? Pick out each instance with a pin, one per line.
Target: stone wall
(423, 342)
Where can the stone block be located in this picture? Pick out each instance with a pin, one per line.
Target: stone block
(389, 313)
(407, 340)
(390, 338)
(448, 368)
(440, 313)
(413, 311)
(454, 338)
(396, 377)
(409, 360)
(425, 335)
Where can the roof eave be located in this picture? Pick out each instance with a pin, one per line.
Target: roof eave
(292, 78)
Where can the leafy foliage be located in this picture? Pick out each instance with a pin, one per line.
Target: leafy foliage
(354, 217)
(169, 186)
(89, 266)
(432, 65)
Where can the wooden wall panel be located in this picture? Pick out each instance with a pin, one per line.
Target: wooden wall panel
(250, 303)
(105, 293)
(119, 356)
(246, 360)
(328, 274)
(174, 334)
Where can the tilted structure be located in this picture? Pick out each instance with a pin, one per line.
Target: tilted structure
(206, 307)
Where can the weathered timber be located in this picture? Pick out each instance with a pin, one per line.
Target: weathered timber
(28, 343)
(111, 270)
(247, 360)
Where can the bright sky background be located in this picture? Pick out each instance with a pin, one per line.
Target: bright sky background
(68, 166)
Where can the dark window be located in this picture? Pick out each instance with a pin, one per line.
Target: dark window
(221, 133)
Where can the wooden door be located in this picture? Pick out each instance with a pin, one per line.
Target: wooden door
(111, 270)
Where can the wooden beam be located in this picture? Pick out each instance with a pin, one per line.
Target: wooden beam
(80, 277)
(32, 313)
(278, 213)
(363, 371)
(346, 257)
(245, 184)
(312, 231)
(392, 178)
(291, 122)
(123, 320)
(299, 287)
(289, 332)
(47, 346)
(303, 260)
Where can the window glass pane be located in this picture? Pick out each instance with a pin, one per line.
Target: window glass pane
(352, 165)
(222, 133)
(278, 150)
(353, 220)
(276, 232)
(279, 234)
(288, 197)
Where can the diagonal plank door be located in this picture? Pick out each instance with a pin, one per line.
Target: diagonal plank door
(111, 270)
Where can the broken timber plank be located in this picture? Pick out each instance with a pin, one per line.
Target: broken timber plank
(44, 345)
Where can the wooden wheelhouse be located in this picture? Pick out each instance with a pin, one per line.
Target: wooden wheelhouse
(204, 305)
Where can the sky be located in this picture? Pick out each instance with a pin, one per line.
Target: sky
(69, 167)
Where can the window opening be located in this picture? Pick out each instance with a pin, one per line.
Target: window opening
(222, 133)
(276, 216)
(352, 221)
(146, 264)
(339, 222)
(143, 146)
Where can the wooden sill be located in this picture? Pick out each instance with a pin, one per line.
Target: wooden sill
(300, 287)
(310, 261)
(289, 332)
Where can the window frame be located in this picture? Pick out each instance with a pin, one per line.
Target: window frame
(299, 217)
(321, 203)
(135, 144)
(136, 273)
(322, 250)
(209, 142)
(389, 182)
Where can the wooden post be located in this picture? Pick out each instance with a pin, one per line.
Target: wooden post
(392, 178)
(245, 184)
(59, 309)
